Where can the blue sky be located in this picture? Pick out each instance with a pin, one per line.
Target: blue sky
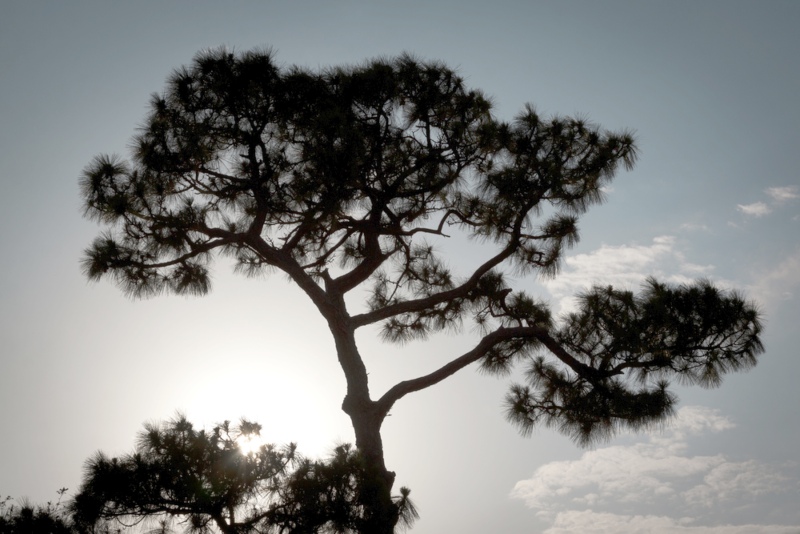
(710, 88)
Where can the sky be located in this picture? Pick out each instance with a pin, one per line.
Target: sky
(710, 90)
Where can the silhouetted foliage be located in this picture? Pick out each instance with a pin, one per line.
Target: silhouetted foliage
(630, 345)
(327, 494)
(32, 519)
(348, 178)
(200, 481)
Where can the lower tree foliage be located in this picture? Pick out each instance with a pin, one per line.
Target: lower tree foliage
(32, 519)
(184, 479)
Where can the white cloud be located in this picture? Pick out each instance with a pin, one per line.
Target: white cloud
(782, 194)
(778, 284)
(624, 267)
(632, 473)
(590, 522)
(732, 480)
(699, 270)
(756, 209)
(778, 195)
(608, 489)
(692, 421)
(695, 227)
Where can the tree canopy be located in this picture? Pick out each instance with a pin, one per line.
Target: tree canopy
(348, 180)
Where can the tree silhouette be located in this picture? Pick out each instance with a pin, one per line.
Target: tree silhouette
(203, 482)
(348, 179)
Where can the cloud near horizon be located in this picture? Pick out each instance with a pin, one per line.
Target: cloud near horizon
(655, 485)
(589, 522)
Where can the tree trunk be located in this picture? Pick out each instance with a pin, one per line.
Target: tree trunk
(375, 494)
(375, 491)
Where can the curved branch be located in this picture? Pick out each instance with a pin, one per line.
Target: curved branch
(195, 251)
(539, 333)
(402, 389)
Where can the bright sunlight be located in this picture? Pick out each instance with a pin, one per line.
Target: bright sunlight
(250, 443)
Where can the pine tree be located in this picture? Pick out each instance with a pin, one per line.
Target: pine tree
(348, 178)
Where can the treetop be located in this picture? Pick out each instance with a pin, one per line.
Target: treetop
(353, 177)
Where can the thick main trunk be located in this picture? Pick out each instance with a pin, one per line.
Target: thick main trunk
(380, 514)
(375, 491)
(375, 494)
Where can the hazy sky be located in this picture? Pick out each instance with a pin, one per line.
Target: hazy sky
(710, 88)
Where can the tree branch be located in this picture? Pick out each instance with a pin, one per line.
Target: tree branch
(402, 389)
(410, 306)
